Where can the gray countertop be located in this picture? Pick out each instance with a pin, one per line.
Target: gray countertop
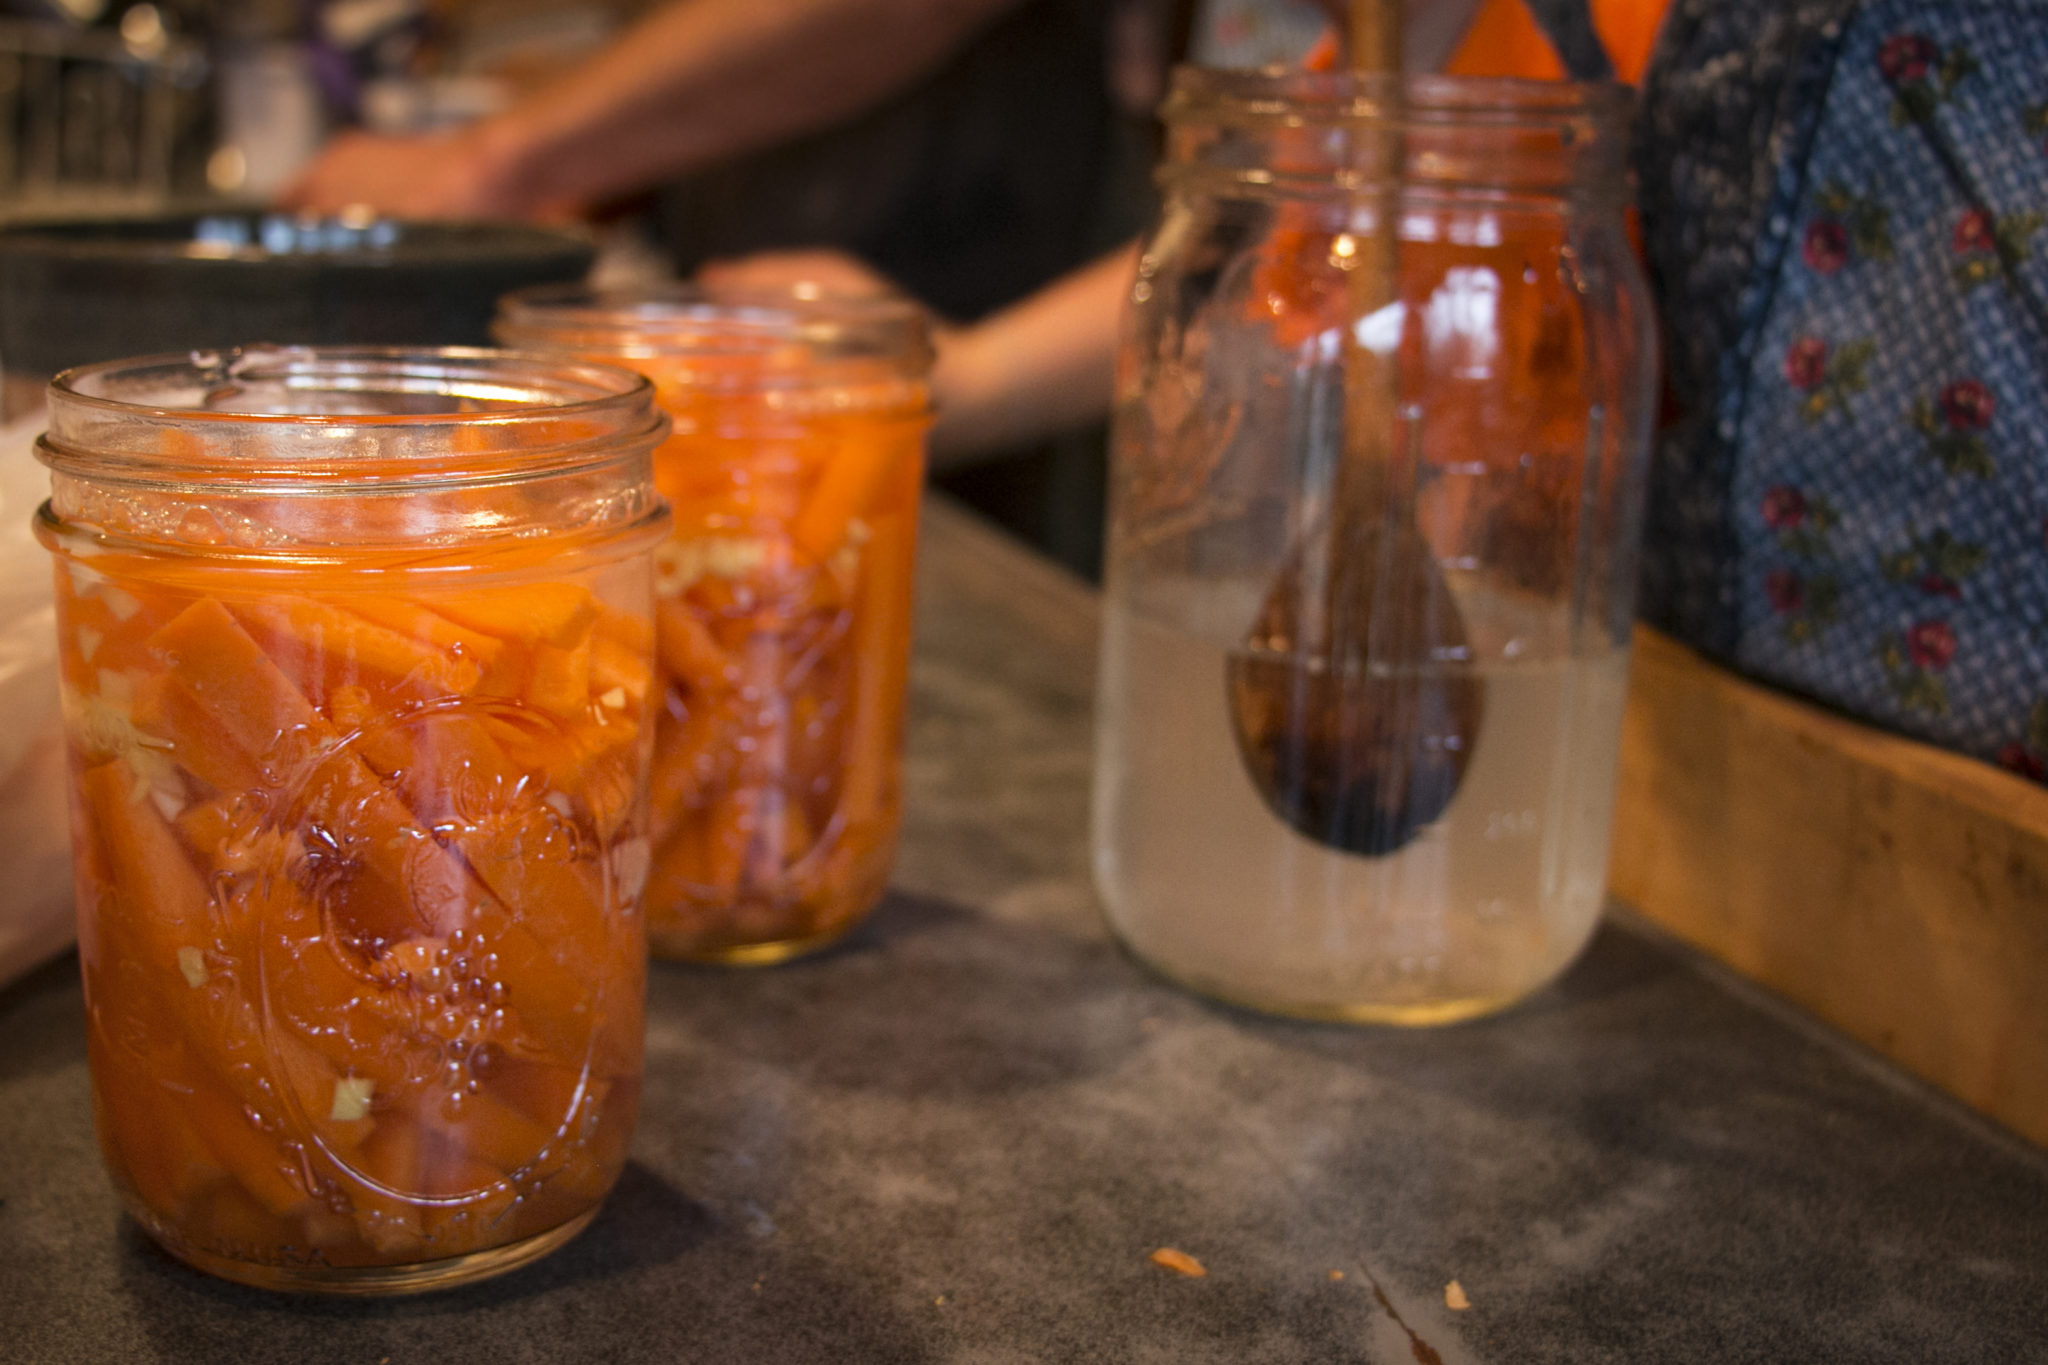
(958, 1137)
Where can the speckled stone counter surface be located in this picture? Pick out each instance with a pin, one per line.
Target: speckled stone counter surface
(958, 1137)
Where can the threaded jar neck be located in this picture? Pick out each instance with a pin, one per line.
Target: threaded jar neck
(296, 450)
(783, 344)
(1322, 135)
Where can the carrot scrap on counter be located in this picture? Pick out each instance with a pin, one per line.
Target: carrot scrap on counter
(1179, 1262)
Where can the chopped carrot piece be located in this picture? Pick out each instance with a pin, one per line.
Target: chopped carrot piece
(694, 756)
(689, 651)
(557, 1098)
(417, 622)
(621, 666)
(559, 614)
(679, 874)
(590, 773)
(852, 478)
(256, 705)
(196, 741)
(215, 830)
(728, 833)
(559, 680)
(796, 834)
(1179, 1262)
(167, 902)
(134, 1100)
(239, 1147)
(331, 648)
(386, 1215)
(482, 1128)
(632, 632)
(881, 644)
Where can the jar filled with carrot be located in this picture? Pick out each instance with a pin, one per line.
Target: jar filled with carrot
(783, 597)
(356, 651)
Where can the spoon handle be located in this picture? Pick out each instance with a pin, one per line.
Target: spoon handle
(1372, 382)
(1376, 36)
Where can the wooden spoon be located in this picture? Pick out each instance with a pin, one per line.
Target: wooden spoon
(1353, 696)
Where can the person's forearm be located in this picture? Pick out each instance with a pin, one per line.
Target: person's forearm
(1036, 369)
(702, 80)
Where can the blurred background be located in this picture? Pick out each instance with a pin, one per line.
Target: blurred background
(1022, 153)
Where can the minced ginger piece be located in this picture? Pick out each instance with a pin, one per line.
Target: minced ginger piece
(122, 604)
(1454, 1297)
(1179, 1261)
(192, 963)
(352, 1098)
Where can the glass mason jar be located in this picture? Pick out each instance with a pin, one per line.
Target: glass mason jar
(783, 597)
(356, 647)
(1378, 461)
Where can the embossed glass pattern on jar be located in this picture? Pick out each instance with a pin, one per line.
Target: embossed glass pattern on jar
(356, 648)
(1378, 465)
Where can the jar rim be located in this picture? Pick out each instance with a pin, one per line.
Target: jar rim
(1292, 95)
(285, 414)
(694, 320)
(610, 385)
(1333, 137)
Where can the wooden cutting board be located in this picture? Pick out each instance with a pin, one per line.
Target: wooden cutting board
(1894, 889)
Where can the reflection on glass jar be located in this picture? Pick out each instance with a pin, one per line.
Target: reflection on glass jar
(356, 648)
(784, 596)
(1377, 469)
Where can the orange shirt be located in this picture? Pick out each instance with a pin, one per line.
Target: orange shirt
(1505, 40)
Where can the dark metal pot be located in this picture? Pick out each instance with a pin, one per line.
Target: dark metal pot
(78, 290)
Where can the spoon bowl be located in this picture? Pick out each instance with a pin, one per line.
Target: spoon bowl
(1356, 707)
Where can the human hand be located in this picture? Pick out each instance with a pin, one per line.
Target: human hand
(831, 272)
(445, 175)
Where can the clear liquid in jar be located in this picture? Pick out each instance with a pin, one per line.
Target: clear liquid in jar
(1201, 880)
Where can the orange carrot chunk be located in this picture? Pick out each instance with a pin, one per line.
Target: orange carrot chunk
(853, 475)
(559, 614)
(328, 647)
(688, 650)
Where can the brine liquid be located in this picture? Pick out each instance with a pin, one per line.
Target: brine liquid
(1491, 901)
